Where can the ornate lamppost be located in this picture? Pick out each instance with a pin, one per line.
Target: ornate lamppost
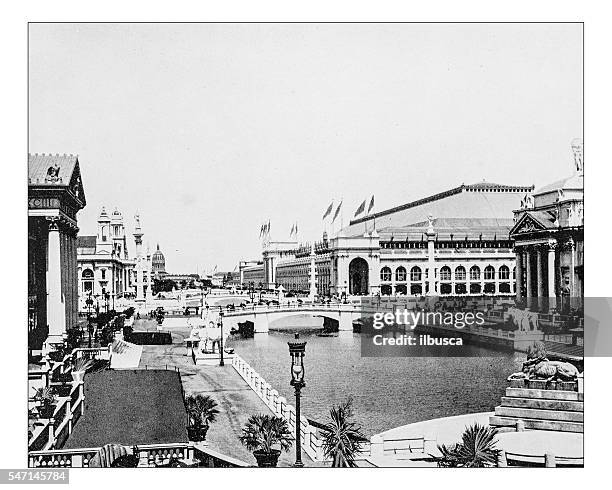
(297, 350)
(221, 362)
(89, 303)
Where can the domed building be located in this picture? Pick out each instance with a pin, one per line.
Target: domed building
(549, 239)
(158, 262)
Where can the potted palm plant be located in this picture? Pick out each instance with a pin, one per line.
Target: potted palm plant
(262, 434)
(80, 367)
(46, 399)
(342, 439)
(202, 411)
(476, 449)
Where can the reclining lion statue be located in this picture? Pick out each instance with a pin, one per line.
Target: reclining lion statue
(542, 368)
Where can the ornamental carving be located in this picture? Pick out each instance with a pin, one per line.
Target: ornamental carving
(552, 244)
(53, 174)
(528, 226)
(527, 201)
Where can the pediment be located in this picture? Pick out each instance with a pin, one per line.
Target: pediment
(527, 224)
(76, 184)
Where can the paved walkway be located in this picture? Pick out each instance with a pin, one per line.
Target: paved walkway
(235, 398)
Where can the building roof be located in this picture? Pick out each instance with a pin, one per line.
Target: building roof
(86, 244)
(46, 171)
(574, 182)
(131, 407)
(458, 228)
(483, 207)
(39, 164)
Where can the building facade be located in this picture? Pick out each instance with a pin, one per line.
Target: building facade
(453, 243)
(55, 195)
(104, 264)
(549, 240)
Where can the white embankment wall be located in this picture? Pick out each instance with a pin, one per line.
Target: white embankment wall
(312, 444)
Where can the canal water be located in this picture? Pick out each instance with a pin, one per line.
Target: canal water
(386, 392)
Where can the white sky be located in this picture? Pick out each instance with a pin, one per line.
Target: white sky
(210, 129)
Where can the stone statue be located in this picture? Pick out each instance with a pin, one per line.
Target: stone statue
(53, 173)
(577, 150)
(523, 320)
(542, 368)
(527, 201)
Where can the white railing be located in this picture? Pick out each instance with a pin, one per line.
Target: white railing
(149, 455)
(54, 431)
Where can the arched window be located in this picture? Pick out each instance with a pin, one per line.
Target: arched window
(445, 274)
(474, 273)
(514, 273)
(87, 274)
(385, 274)
(400, 274)
(504, 272)
(460, 273)
(489, 273)
(415, 274)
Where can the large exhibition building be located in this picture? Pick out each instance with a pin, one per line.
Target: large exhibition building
(462, 235)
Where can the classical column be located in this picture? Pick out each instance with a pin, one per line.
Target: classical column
(313, 275)
(529, 281)
(540, 273)
(572, 246)
(56, 312)
(552, 245)
(519, 273)
(431, 261)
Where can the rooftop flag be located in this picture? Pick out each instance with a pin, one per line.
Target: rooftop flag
(329, 210)
(371, 206)
(337, 212)
(360, 209)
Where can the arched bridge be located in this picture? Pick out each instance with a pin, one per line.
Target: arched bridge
(263, 316)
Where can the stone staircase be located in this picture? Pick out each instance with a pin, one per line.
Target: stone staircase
(537, 409)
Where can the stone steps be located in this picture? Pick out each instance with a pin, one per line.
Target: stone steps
(545, 394)
(554, 410)
(537, 424)
(542, 404)
(533, 413)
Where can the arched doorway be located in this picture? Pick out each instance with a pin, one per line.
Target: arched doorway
(358, 277)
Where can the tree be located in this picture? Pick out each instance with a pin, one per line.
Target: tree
(476, 449)
(342, 439)
(163, 285)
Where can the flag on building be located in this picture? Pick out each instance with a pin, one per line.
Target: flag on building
(337, 212)
(360, 209)
(329, 210)
(371, 206)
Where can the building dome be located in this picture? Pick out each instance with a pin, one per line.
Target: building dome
(158, 262)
